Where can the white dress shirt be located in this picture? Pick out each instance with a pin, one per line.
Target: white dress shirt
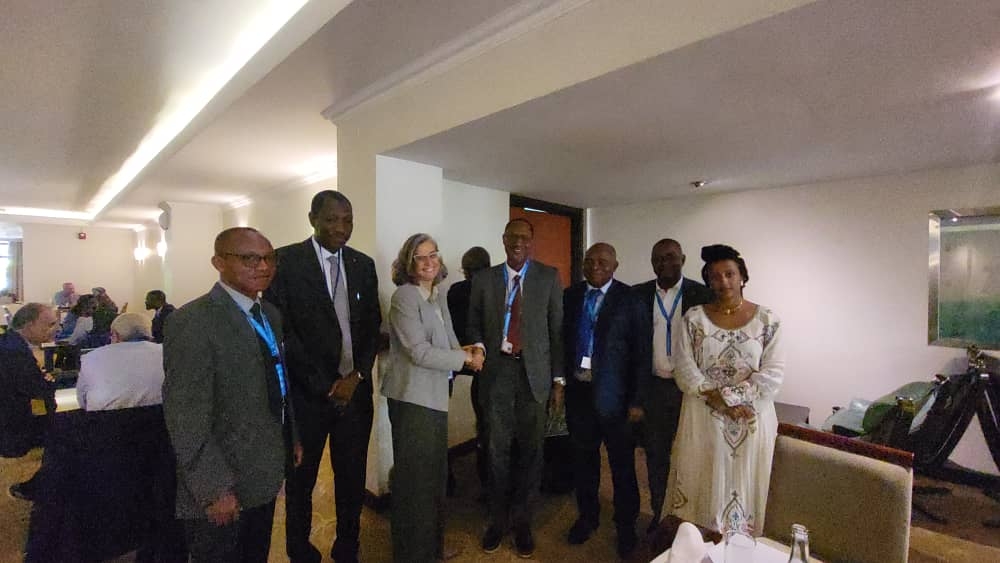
(121, 376)
(663, 366)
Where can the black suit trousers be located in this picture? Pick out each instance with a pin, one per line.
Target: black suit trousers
(663, 412)
(512, 413)
(587, 430)
(348, 430)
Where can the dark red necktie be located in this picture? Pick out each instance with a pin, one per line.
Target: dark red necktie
(514, 330)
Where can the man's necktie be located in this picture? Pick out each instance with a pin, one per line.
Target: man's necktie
(514, 330)
(585, 330)
(342, 306)
(273, 385)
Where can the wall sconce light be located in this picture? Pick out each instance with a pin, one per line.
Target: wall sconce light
(161, 247)
(141, 253)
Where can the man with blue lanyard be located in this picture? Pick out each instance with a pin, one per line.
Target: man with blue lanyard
(515, 316)
(662, 304)
(226, 407)
(601, 362)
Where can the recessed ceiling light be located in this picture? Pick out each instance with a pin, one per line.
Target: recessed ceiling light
(698, 184)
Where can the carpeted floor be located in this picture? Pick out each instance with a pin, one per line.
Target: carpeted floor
(966, 508)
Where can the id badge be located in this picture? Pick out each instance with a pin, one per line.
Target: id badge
(506, 347)
(585, 362)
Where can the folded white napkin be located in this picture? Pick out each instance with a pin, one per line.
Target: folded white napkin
(688, 547)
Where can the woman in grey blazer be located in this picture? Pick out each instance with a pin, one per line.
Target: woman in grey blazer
(423, 353)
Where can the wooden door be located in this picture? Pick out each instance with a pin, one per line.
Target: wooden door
(553, 240)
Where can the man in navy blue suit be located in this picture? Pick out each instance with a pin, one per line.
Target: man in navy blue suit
(601, 362)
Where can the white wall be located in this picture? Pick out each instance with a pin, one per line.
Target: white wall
(53, 254)
(281, 215)
(844, 264)
(187, 268)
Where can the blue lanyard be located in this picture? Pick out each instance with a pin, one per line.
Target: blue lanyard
(267, 334)
(669, 318)
(513, 294)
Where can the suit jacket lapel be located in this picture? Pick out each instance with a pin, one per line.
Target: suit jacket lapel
(314, 274)
(234, 316)
(500, 293)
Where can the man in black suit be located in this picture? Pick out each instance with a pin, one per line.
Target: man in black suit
(226, 407)
(661, 305)
(475, 260)
(515, 315)
(601, 362)
(157, 300)
(328, 296)
(21, 380)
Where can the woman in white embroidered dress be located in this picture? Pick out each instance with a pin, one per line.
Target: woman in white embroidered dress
(730, 367)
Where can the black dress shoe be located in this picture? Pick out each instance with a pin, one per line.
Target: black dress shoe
(524, 543)
(581, 531)
(627, 541)
(491, 539)
(18, 491)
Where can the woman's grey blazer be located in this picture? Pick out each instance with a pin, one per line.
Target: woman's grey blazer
(423, 350)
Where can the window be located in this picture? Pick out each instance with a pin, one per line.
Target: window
(10, 270)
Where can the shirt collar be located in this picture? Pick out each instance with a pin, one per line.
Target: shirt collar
(428, 295)
(322, 252)
(603, 288)
(241, 300)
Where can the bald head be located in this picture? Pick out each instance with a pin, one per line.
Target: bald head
(599, 264)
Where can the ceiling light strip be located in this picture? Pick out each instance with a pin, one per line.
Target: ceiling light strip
(272, 17)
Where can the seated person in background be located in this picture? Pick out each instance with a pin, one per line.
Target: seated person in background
(21, 381)
(65, 297)
(78, 322)
(105, 312)
(127, 373)
(157, 300)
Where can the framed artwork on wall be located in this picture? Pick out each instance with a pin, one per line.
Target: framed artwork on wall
(964, 278)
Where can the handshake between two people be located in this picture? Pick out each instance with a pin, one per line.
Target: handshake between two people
(474, 357)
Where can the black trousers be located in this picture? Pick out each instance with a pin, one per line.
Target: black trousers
(663, 411)
(512, 413)
(587, 429)
(248, 540)
(348, 430)
(419, 476)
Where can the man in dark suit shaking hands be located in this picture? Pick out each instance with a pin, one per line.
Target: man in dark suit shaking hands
(662, 304)
(515, 315)
(328, 296)
(601, 362)
(225, 405)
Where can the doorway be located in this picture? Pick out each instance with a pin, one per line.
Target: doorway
(558, 234)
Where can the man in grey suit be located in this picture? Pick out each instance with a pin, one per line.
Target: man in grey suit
(515, 315)
(224, 400)
(662, 303)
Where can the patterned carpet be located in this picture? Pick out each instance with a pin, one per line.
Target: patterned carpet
(965, 507)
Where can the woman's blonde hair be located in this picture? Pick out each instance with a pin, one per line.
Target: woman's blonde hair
(404, 266)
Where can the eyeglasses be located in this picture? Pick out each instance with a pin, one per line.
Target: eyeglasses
(253, 260)
(432, 257)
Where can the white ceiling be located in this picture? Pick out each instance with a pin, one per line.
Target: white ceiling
(835, 89)
(832, 90)
(85, 81)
